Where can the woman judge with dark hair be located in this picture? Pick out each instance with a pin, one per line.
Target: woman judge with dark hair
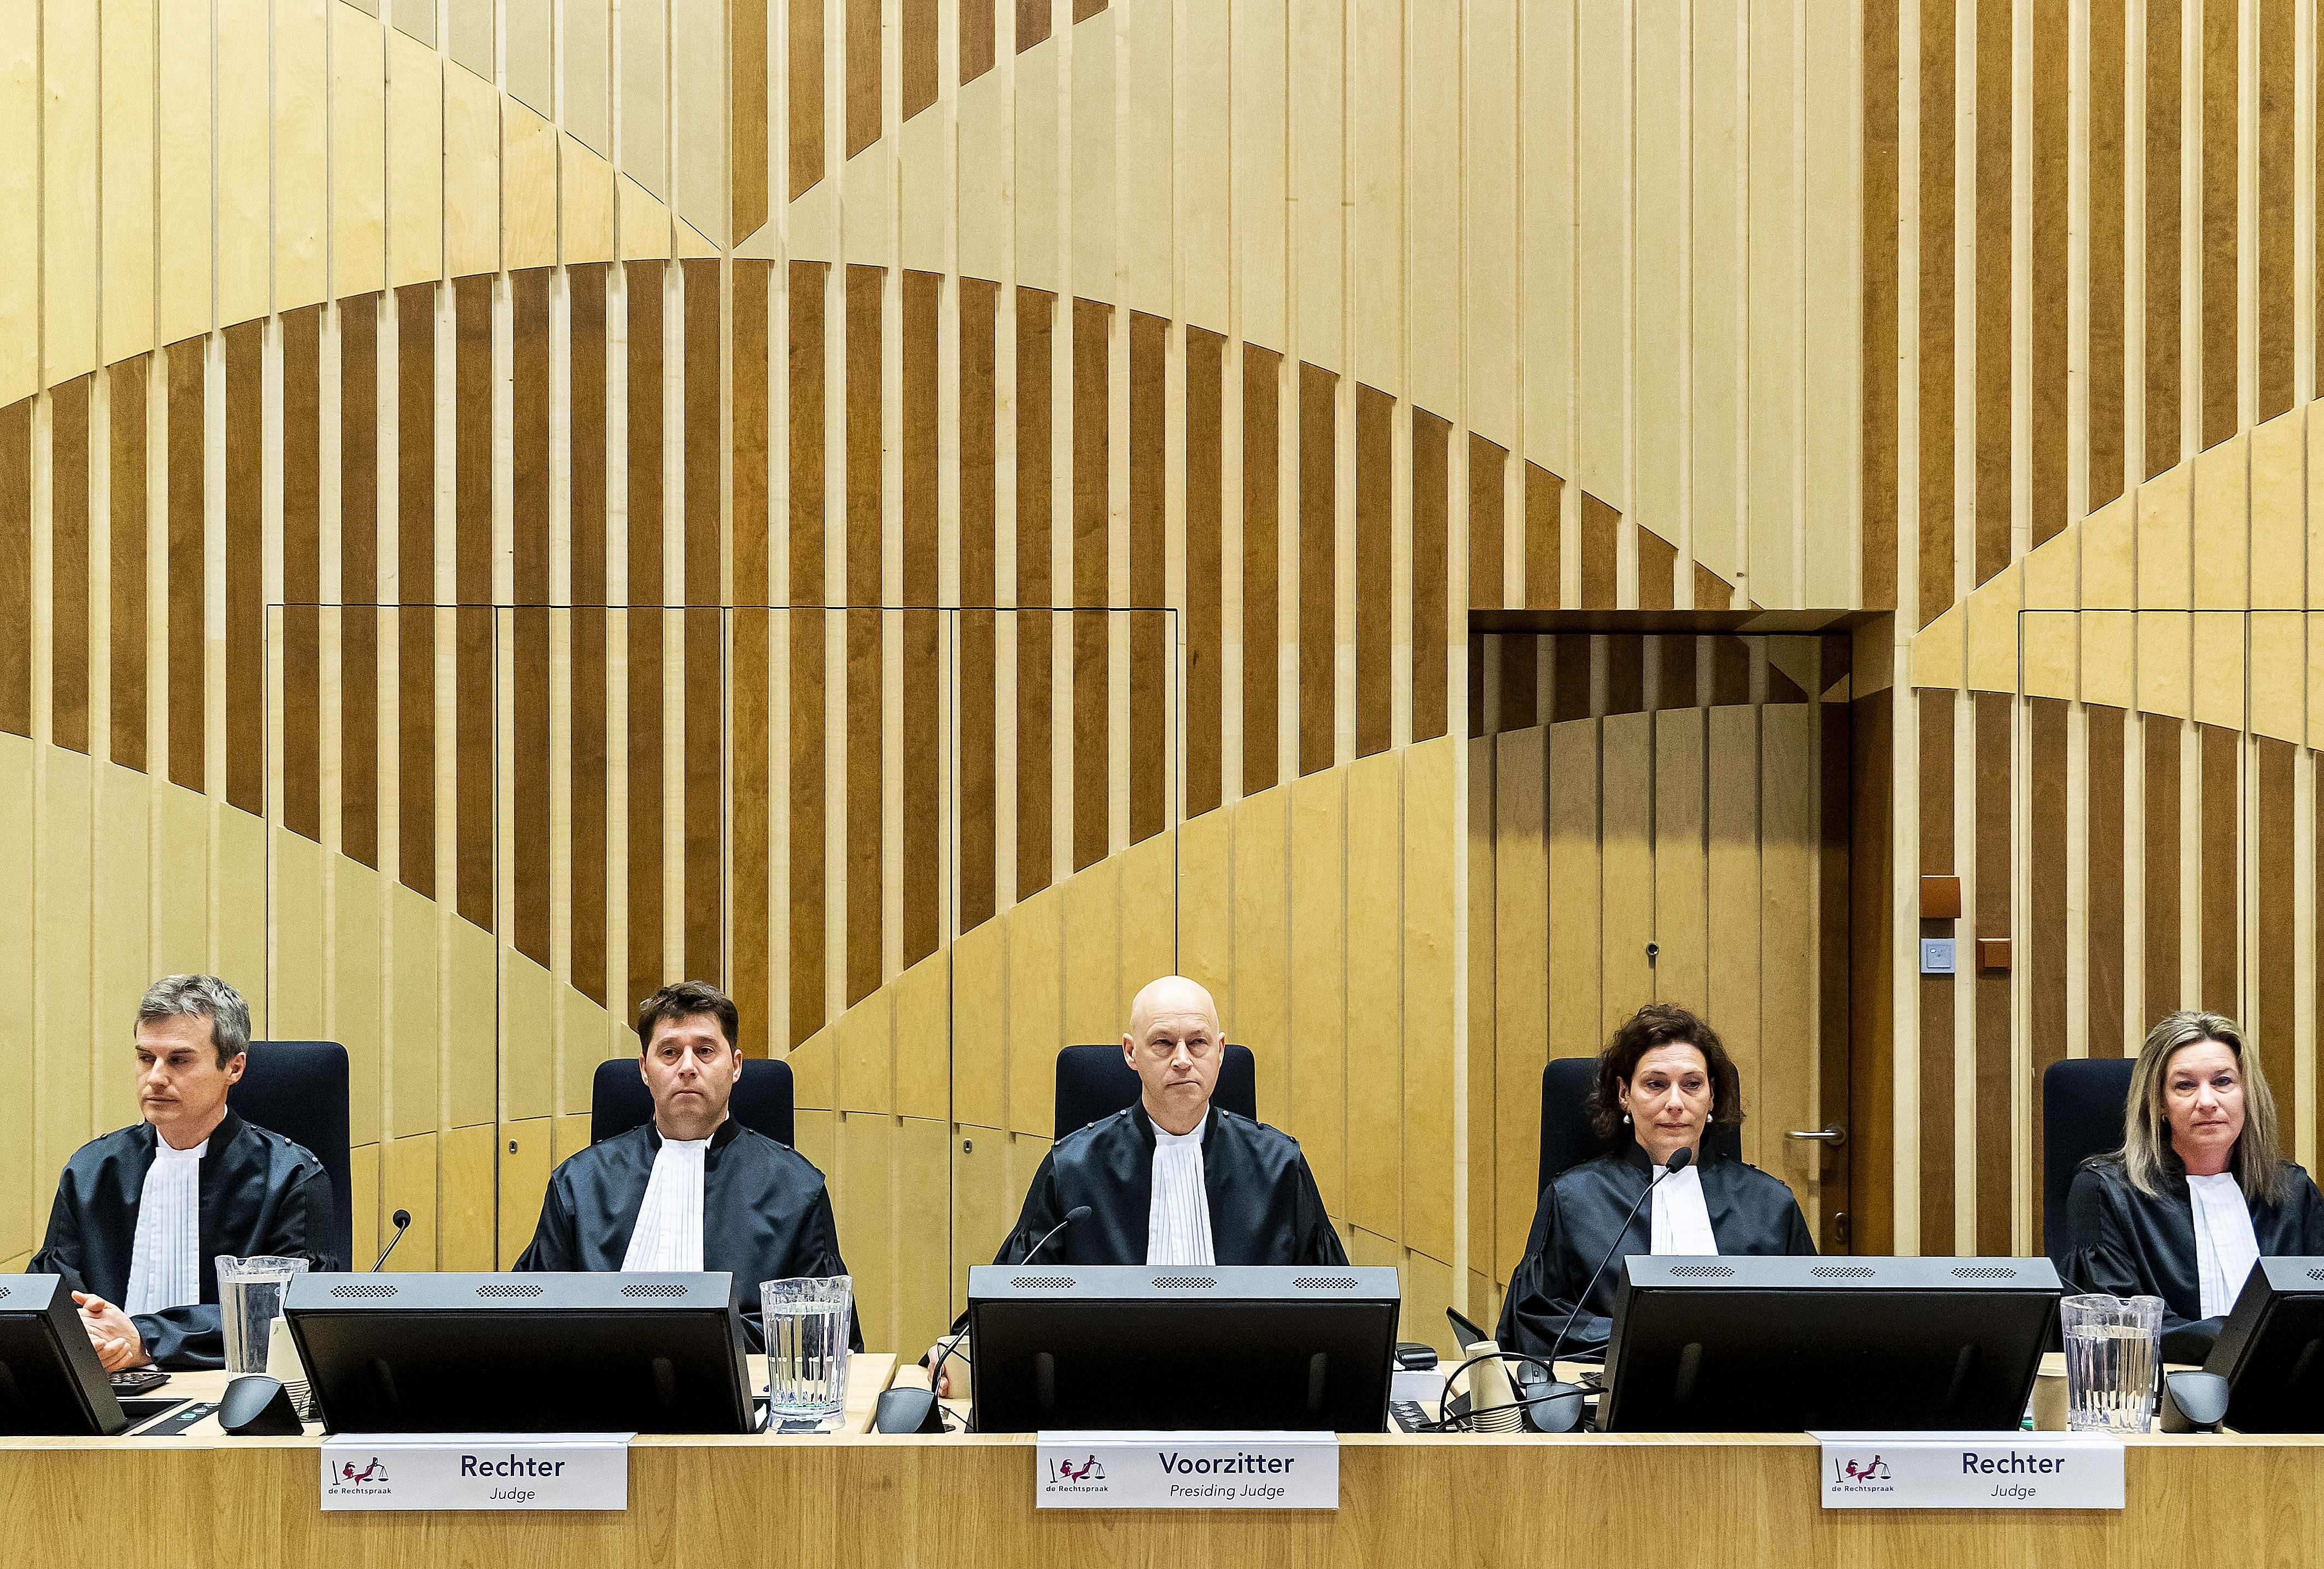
(2199, 1191)
(1660, 1083)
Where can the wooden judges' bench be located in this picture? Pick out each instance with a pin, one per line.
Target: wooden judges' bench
(861, 1501)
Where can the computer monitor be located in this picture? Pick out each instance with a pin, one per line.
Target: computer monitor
(2271, 1349)
(523, 1353)
(1265, 1347)
(1786, 1345)
(52, 1384)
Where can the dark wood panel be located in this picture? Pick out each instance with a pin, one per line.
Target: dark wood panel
(1487, 477)
(1993, 390)
(2107, 214)
(358, 578)
(1518, 661)
(2222, 147)
(531, 849)
(1150, 633)
(588, 286)
(1602, 534)
(16, 568)
(68, 564)
(1032, 22)
(1996, 1077)
(415, 465)
(302, 572)
(186, 588)
(861, 20)
(1675, 671)
(1570, 677)
(1262, 571)
(2046, 914)
(1936, 432)
(1091, 446)
(1625, 662)
(2274, 934)
(471, 533)
(2221, 822)
(1318, 566)
(805, 82)
(1205, 569)
(1938, 1046)
(1545, 536)
(2048, 376)
(919, 43)
(925, 749)
(747, 57)
(643, 627)
(979, 682)
(127, 542)
(1836, 1048)
(1657, 571)
(1036, 629)
(808, 870)
(752, 965)
(1872, 978)
(245, 567)
(2160, 857)
(2163, 87)
(977, 22)
(864, 669)
(2277, 153)
(1375, 626)
(1432, 528)
(2104, 897)
(1878, 265)
(703, 736)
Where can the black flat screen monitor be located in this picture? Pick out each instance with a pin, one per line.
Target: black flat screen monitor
(52, 1385)
(2271, 1349)
(523, 1353)
(1127, 1347)
(1788, 1345)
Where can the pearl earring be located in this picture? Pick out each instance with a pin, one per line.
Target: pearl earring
(1625, 1119)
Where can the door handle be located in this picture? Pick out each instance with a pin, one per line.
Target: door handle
(1834, 1135)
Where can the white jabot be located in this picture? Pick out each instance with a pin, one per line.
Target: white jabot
(1178, 1219)
(164, 1260)
(669, 1233)
(1682, 1222)
(2225, 1247)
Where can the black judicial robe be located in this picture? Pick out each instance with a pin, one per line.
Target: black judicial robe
(2133, 1243)
(261, 1196)
(1265, 1208)
(766, 1214)
(1751, 1214)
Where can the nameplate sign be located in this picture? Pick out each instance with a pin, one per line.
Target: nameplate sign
(476, 1471)
(1971, 1470)
(1188, 1470)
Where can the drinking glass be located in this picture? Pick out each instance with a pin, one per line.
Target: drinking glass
(2114, 1349)
(250, 1299)
(807, 1347)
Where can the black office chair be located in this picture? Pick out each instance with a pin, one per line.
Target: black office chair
(1567, 1139)
(619, 1101)
(298, 1089)
(1094, 1081)
(2082, 1100)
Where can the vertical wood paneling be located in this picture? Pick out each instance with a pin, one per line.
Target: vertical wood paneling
(1261, 571)
(1937, 1043)
(979, 783)
(68, 478)
(644, 630)
(2048, 373)
(1150, 634)
(245, 583)
(1995, 1076)
(1937, 356)
(1881, 266)
(415, 632)
(924, 769)
(186, 457)
(1431, 534)
(2046, 916)
(1318, 594)
(864, 629)
(2105, 900)
(1375, 569)
(302, 573)
(805, 96)
(1205, 572)
(359, 526)
(2108, 198)
(473, 489)
(2160, 855)
(2277, 199)
(2163, 89)
(1994, 170)
(2272, 1011)
(1089, 443)
(2220, 786)
(807, 632)
(530, 544)
(1036, 629)
(704, 728)
(126, 533)
(586, 555)
(2221, 176)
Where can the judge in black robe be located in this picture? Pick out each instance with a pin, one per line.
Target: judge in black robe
(2133, 1243)
(764, 1211)
(2197, 1096)
(1264, 1207)
(1661, 1082)
(766, 1214)
(261, 1195)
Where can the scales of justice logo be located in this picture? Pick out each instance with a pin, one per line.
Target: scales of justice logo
(370, 1479)
(1066, 1473)
(1856, 1475)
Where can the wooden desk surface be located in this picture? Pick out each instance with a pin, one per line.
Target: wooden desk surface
(866, 1502)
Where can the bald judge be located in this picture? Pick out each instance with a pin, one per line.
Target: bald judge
(1174, 1179)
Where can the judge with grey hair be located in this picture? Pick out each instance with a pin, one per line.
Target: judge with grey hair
(142, 1214)
(2199, 1191)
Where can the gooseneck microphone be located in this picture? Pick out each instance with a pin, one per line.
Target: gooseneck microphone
(402, 1219)
(1566, 1411)
(915, 1410)
(1073, 1216)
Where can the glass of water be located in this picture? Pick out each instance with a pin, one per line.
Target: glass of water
(807, 1347)
(2114, 1351)
(250, 1300)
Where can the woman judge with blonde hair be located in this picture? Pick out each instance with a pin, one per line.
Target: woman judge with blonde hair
(2199, 1191)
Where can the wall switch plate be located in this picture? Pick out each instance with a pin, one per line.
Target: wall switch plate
(1936, 956)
